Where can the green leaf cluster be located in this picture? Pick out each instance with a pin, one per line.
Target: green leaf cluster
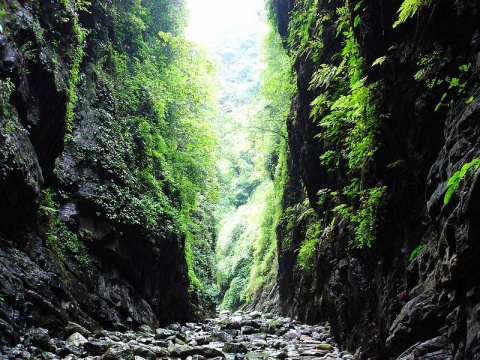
(409, 8)
(466, 170)
(416, 252)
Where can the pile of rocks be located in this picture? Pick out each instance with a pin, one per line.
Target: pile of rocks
(232, 336)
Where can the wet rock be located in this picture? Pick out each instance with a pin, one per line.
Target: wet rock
(196, 357)
(327, 347)
(68, 213)
(282, 331)
(118, 352)
(179, 341)
(291, 335)
(312, 353)
(415, 320)
(234, 325)
(222, 336)
(250, 323)
(440, 348)
(77, 340)
(255, 314)
(181, 350)
(163, 333)
(143, 351)
(159, 351)
(145, 329)
(319, 336)
(48, 356)
(72, 327)
(247, 330)
(95, 347)
(64, 348)
(280, 355)
(39, 337)
(210, 352)
(276, 323)
(175, 326)
(235, 348)
(201, 340)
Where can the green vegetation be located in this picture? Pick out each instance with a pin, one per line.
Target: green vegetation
(416, 252)
(305, 30)
(78, 55)
(409, 8)
(254, 172)
(347, 115)
(452, 86)
(455, 83)
(142, 99)
(6, 89)
(308, 252)
(64, 242)
(466, 170)
(165, 99)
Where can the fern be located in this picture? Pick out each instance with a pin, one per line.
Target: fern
(378, 61)
(458, 176)
(409, 8)
(416, 252)
(346, 111)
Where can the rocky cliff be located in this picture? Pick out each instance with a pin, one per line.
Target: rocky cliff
(410, 287)
(76, 243)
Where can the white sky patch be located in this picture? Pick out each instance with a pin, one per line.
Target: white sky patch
(211, 20)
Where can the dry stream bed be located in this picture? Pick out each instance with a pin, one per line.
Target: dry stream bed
(238, 335)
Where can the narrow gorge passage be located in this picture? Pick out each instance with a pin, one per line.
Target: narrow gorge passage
(162, 180)
(253, 73)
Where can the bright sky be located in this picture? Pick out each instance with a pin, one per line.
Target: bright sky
(210, 20)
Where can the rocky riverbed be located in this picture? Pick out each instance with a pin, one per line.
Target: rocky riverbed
(235, 336)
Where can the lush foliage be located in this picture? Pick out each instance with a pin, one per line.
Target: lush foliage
(305, 31)
(165, 92)
(253, 173)
(142, 99)
(346, 112)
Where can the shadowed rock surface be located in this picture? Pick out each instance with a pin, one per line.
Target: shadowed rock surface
(62, 258)
(378, 298)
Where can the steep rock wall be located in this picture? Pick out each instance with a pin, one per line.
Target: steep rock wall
(377, 299)
(61, 258)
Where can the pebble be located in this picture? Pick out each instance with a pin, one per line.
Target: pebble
(231, 336)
